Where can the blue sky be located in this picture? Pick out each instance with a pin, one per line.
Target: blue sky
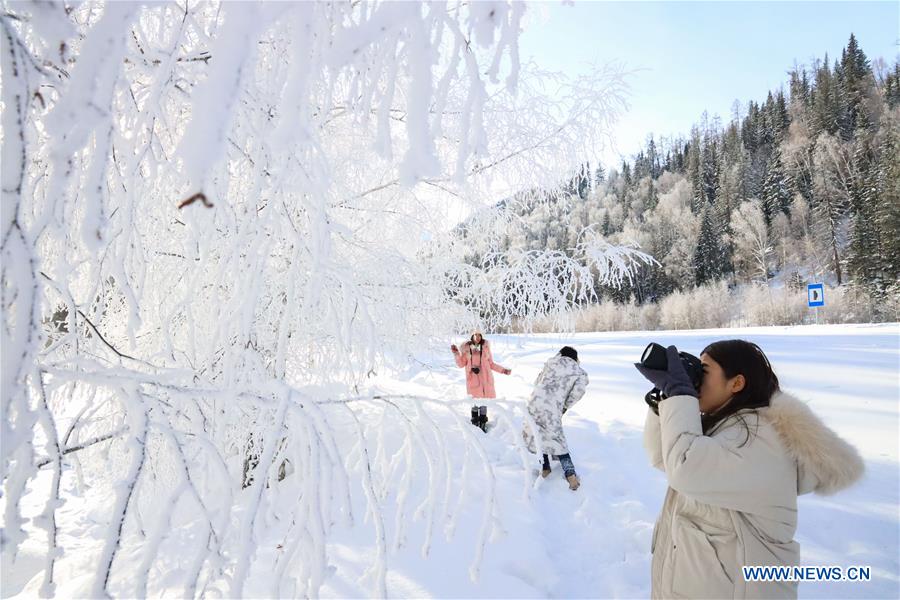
(696, 56)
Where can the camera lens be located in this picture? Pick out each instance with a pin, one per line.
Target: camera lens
(654, 357)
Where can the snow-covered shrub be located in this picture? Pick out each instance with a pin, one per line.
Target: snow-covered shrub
(616, 316)
(764, 305)
(706, 306)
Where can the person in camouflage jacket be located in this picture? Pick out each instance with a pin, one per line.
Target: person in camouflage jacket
(561, 383)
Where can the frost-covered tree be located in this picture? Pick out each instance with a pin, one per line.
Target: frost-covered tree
(753, 250)
(831, 189)
(213, 217)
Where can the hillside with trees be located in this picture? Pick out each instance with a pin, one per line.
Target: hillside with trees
(801, 187)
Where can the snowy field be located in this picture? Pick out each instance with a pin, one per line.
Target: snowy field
(595, 542)
(543, 540)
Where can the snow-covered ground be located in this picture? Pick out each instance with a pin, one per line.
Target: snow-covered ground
(595, 542)
(544, 540)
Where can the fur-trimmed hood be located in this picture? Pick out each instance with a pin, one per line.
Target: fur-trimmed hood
(826, 463)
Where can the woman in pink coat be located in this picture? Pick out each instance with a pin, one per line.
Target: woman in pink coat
(478, 362)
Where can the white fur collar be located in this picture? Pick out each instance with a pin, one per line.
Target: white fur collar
(832, 462)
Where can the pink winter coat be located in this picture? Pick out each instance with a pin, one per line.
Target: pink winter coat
(480, 385)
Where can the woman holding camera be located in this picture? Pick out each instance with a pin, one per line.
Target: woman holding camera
(476, 358)
(736, 453)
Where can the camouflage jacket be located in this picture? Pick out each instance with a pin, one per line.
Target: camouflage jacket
(560, 385)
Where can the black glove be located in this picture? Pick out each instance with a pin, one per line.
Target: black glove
(674, 381)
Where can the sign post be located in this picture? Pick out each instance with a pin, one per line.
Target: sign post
(815, 297)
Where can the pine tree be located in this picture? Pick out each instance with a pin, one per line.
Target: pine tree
(753, 135)
(863, 257)
(747, 127)
(584, 181)
(605, 226)
(806, 87)
(776, 119)
(781, 116)
(777, 189)
(653, 163)
(599, 176)
(854, 81)
(653, 196)
(799, 87)
(709, 165)
(730, 181)
(682, 158)
(842, 101)
(641, 166)
(709, 256)
(694, 169)
(825, 101)
(725, 239)
(769, 121)
(892, 87)
(887, 204)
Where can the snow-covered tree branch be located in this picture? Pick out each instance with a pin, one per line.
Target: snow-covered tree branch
(212, 218)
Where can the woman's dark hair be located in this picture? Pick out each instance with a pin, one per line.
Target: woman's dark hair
(570, 352)
(472, 338)
(740, 357)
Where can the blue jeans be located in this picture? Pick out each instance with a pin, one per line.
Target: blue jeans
(564, 460)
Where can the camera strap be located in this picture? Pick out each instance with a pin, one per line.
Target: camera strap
(480, 357)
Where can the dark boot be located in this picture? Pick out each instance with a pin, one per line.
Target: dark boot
(545, 468)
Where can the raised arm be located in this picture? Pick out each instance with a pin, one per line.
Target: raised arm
(461, 358)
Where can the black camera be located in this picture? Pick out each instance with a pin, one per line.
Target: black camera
(476, 370)
(479, 417)
(654, 357)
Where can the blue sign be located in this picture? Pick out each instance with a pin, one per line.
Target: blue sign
(815, 293)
